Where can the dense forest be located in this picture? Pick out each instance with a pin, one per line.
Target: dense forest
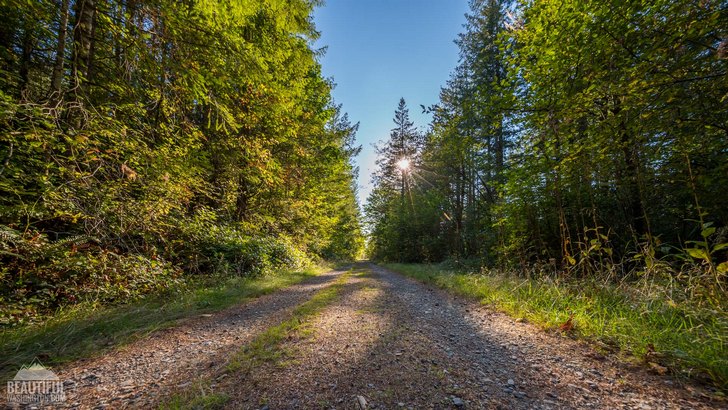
(145, 141)
(585, 138)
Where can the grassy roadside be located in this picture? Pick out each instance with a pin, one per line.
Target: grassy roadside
(87, 330)
(686, 340)
(264, 348)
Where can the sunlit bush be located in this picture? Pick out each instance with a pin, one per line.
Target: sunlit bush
(39, 276)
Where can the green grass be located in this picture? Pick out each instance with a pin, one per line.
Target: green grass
(86, 330)
(691, 341)
(203, 401)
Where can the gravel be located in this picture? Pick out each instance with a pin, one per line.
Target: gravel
(386, 342)
(142, 373)
(401, 344)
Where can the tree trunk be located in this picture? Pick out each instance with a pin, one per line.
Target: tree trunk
(631, 182)
(459, 210)
(90, 69)
(26, 54)
(499, 151)
(242, 199)
(82, 40)
(8, 30)
(57, 75)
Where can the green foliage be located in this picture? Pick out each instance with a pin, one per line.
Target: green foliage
(39, 276)
(197, 137)
(253, 256)
(708, 249)
(606, 139)
(204, 400)
(580, 136)
(205, 246)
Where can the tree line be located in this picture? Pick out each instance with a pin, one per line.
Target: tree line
(583, 137)
(143, 138)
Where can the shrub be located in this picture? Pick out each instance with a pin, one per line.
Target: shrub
(39, 276)
(250, 256)
(204, 245)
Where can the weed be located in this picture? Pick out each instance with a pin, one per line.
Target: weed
(204, 398)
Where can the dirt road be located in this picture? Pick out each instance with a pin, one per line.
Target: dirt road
(384, 341)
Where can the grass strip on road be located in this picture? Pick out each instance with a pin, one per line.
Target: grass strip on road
(688, 340)
(264, 348)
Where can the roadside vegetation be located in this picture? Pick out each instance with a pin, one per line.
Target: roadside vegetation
(647, 321)
(87, 329)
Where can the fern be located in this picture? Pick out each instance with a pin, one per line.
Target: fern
(74, 240)
(14, 255)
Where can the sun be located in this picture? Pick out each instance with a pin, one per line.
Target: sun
(403, 164)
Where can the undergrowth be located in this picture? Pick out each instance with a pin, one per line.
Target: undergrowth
(40, 275)
(204, 399)
(640, 320)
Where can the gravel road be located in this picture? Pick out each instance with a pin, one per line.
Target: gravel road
(386, 341)
(400, 344)
(140, 374)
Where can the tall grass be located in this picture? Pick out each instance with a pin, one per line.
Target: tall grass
(688, 339)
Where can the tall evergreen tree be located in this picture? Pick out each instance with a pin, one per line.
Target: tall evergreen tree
(390, 206)
(200, 134)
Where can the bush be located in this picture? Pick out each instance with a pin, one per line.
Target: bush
(250, 256)
(39, 276)
(206, 246)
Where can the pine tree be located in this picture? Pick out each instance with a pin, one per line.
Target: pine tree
(390, 205)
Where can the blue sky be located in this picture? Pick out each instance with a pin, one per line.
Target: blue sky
(381, 50)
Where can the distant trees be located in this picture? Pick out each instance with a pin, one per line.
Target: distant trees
(584, 135)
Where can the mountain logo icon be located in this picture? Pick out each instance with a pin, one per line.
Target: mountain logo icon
(36, 371)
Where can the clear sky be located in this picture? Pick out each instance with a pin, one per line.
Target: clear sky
(381, 50)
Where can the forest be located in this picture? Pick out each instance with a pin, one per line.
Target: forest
(163, 160)
(574, 175)
(146, 142)
(589, 138)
